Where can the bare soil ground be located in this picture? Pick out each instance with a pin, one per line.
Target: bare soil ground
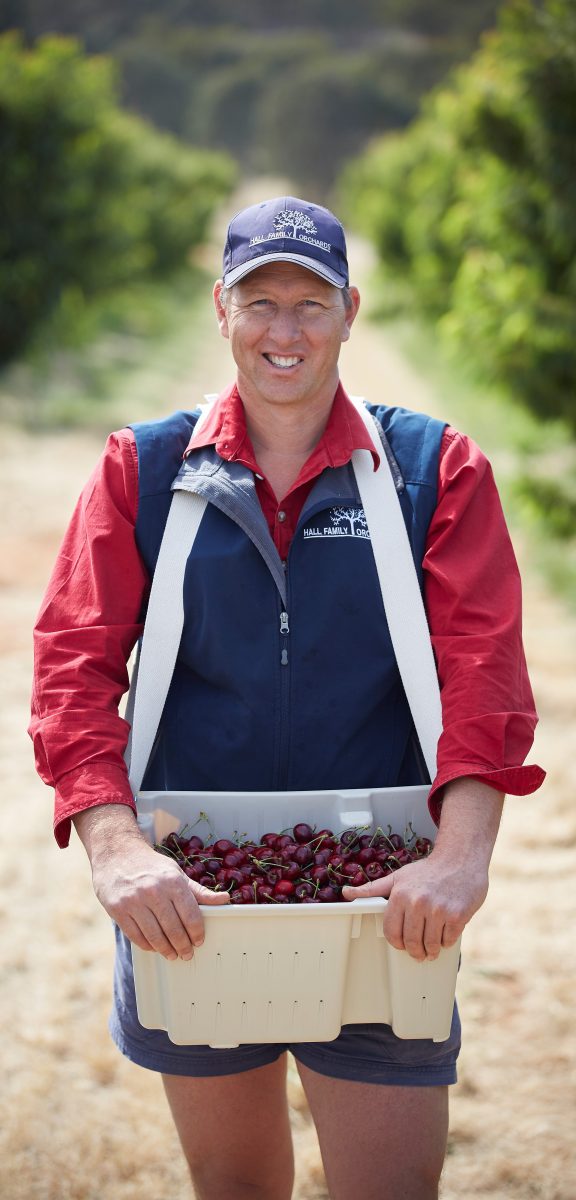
(77, 1121)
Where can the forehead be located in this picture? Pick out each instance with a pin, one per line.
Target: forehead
(285, 277)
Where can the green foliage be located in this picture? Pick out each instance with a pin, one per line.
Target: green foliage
(294, 100)
(474, 205)
(293, 88)
(549, 502)
(92, 199)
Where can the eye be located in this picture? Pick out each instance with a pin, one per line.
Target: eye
(260, 303)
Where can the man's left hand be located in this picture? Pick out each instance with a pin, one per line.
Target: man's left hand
(430, 902)
(432, 899)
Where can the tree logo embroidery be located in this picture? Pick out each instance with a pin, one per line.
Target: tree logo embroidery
(344, 522)
(294, 220)
(293, 224)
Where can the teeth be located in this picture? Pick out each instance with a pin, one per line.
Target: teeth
(278, 361)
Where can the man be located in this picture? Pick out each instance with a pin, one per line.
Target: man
(255, 705)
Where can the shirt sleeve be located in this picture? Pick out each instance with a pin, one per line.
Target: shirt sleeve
(473, 599)
(88, 624)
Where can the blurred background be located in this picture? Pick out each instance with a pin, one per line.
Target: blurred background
(444, 134)
(444, 137)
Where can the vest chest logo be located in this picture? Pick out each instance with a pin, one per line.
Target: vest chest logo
(344, 522)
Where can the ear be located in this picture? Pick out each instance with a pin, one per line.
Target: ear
(351, 312)
(221, 314)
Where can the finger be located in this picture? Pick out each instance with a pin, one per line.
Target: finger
(375, 887)
(393, 923)
(152, 930)
(413, 933)
(451, 933)
(205, 895)
(433, 931)
(181, 921)
(186, 901)
(134, 933)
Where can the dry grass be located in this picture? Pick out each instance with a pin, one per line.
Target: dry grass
(78, 1122)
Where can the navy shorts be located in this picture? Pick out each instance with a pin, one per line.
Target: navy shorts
(369, 1053)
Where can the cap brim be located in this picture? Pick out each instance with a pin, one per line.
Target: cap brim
(311, 264)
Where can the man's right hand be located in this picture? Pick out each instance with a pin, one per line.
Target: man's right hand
(148, 896)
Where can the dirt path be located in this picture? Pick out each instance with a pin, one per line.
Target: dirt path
(78, 1122)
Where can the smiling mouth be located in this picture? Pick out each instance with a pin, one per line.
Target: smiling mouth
(283, 361)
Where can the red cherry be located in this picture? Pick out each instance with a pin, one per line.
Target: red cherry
(322, 857)
(320, 874)
(283, 840)
(304, 889)
(212, 865)
(302, 832)
(264, 853)
(222, 846)
(291, 871)
(348, 837)
(235, 876)
(284, 887)
(191, 845)
(350, 868)
(327, 894)
(247, 894)
(422, 846)
(375, 870)
(194, 871)
(365, 840)
(367, 855)
(234, 858)
(268, 839)
(264, 890)
(287, 852)
(303, 855)
(396, 841)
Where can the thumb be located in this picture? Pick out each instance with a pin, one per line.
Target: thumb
(205, 895)
(374, 887)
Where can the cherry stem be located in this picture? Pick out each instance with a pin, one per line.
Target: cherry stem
(167, 851)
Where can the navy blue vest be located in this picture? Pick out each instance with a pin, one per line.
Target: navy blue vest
(286, 677)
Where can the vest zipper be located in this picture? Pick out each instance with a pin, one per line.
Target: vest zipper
(284, 738)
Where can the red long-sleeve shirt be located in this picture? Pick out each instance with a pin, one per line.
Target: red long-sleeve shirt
(89, 619)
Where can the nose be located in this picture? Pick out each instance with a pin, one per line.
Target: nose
(285, 326)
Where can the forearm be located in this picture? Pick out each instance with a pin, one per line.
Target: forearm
(469, 822)
(104, 829)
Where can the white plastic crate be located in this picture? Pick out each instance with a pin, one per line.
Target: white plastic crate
(293, 972)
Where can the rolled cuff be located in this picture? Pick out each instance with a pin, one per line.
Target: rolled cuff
(85, 787)
(515, 781)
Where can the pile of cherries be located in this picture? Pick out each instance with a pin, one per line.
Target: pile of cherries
(301, 865)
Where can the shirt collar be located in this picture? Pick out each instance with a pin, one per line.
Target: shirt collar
(225, 428)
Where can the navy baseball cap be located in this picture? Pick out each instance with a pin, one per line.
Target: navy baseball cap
(286, 229)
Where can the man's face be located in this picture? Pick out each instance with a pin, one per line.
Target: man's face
(286, 326)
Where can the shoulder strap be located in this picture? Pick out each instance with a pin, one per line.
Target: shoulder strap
(401, 594)
(160, 643)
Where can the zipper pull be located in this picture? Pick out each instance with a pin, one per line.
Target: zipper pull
(284, 623)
